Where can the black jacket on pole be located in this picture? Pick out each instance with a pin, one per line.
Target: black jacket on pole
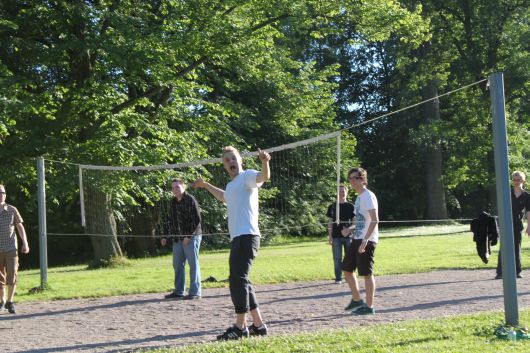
(485, 234)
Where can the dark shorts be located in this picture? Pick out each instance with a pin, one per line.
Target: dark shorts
(363, 263)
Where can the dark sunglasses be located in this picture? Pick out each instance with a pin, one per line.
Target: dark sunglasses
(356, 177)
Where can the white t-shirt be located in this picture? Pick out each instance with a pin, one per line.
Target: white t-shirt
(241, 198)
(365, 201)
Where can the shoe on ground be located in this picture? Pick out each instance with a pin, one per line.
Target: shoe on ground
(519, 275)
(499, 276)
(233, 333)
(354, 305)
(10, 307)
(338, 281)
(253, 330)
(192, 297)
(363, 310)
(2, 306)
(173, 295)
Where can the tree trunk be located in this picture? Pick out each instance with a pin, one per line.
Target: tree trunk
(101, 225)
(435, 193)
(143, 241)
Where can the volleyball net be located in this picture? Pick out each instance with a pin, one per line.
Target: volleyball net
(134, 201)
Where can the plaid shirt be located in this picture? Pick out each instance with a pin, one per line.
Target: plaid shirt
(9, 217)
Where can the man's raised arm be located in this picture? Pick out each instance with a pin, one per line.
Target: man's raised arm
(265, 173)
(215, 191)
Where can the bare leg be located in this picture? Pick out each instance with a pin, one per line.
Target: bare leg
(353, 284)
(11, 292)
(241, 321)
(256, 317)
(369, 284)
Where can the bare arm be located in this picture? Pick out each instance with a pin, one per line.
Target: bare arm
(215, 191)
(265, 173)
(374, 221)
(22, 235)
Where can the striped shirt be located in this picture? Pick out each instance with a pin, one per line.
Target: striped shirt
(9, 218)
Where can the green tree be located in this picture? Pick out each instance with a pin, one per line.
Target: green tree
(468, 41)
(130, 82)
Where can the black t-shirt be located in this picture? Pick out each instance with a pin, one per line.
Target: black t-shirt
(519, 206)
(346, 214)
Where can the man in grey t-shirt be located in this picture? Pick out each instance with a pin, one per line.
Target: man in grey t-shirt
(9, 220)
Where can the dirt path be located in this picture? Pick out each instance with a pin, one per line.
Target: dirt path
(126, 323)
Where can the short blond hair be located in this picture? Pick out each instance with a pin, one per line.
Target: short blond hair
(229, 149)
(519, 174)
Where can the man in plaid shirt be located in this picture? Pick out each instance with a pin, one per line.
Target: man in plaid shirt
(9, 219)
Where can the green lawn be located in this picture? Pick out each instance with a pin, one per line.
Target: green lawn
(404, 250)
(466, 333)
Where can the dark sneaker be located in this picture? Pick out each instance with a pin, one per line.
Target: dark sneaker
(255, 331)
(10, 307)
(519, 275)
(233, 333)
(363, 310)
(2, 305)
(338, 281)
(354, 305)
(192, 297)
(173, 295)
(499, 276)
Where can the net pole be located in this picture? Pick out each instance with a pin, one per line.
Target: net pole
(504, 201)
(41, 196)
(82, 197)
(338, 179)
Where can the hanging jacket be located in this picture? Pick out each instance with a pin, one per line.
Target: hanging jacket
(485, 234)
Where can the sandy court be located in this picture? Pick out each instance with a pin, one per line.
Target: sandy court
(126, 323)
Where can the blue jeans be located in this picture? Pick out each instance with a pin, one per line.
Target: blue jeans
(190, 253)
(337, 245)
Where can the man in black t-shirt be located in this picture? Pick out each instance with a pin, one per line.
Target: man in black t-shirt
(520, 204)
(335, 237)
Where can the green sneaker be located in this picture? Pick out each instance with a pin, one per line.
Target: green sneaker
(363, 310)
(522, 335)
(354, 305)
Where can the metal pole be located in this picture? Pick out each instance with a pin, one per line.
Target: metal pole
(82, 198)
(43, 250)
(337, 213)
(504, 200)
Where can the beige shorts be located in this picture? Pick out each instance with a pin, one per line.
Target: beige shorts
(8, 267)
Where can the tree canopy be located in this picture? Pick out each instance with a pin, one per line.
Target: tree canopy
(130, 82)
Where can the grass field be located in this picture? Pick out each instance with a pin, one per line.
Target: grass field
(466, 333)
(401, 250)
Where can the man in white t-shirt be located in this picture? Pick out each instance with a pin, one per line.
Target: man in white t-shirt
(241, 199)
(360, 256)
